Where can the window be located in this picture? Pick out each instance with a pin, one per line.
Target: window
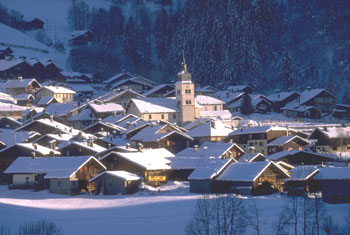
(261, 143)
(250, 137)
(150, 116)
(178, 91)
(73, 183)
(215, 108)
(27, 180)
(59, 183)
(334, 148)
(189, 91)
(174, 116)
(262, 151)
(162, 116)
(179, 103)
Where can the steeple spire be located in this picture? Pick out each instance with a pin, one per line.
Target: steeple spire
(184, 61)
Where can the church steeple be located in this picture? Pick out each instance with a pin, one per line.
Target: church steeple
(184, 75)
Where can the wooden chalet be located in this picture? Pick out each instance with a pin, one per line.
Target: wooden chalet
(99, 126)
(61, 94)
(302, 180)
(256, 178)
(80, 148)
(151, 164)
(81, 37)
(21, 86)
(341, 111)
(302, 157)
(116, 182)
(284, 143)
(11, 110)
(137, 84)
(9, 123)
(257, 137)
(13, 68)
(121, 97)
(61, 175)
(280, 99)
(32, 24)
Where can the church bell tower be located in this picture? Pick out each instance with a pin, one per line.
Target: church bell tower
(185, 94)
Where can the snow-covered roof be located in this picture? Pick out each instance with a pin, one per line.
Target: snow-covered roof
(152, 133)
(59, 90)
(24, 96)
(250, 157)
(333, 173)
(305, 96)
(107, 108)
(112, 95)
(302, 108)
(286, 153)
(81, 87)
(150, 159)
(124, 175)
(257, 129)
(6, 98)
(209, 168)
(77, 33)
(7, 64)
(116, 77)
(337, 132)
(11, 138)
(207, 100)
(212, 128)
(227, 96)
(156, 105)
(222, 114)
(18, 83)
(237, 88)
(45, 100)
(94, 148)
(157, 88)
(247, 171)
(137, 80)
(303, 172)
(276, 97)
(35, 148)
(5, 107)
(59, 109)
(85, 114)
(53, 167)
(286, 139)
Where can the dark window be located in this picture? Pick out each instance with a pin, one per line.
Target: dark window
(59, 183)
(178, 92)
(174, 116)
(334, 148)
(179, 103)
(150, 116)
(261, 143)
(162, 116)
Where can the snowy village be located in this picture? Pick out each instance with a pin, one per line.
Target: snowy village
(92, 147)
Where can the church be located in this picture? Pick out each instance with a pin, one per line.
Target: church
(181, 109)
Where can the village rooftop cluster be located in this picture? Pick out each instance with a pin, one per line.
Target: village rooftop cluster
(72, 133)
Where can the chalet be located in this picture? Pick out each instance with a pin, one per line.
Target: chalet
(32, 24)
(151, 164)
(188, 159)
(302, 112)
(81, 37)
(11, 153)
(154, 109)
(332, 139)
(210, 131)
(52, 140)
(80, 148)
(252, 157)
(45, 126)
(341, 111)
(31, 112)
(47, 100)
(116, 78)
(103, 127)
(83, 91)
(261, 104)
(137, 84)
(26, 100)
(9, 123)
(10, 68)
(284, 143)
(61, 94)
(321, 99)
(159, 91)
(203, 177)
(208, 103)
(257, 137)
(60, 109)
(5, 52)
(297, 157)
(162, 136)
(121, 97)
(13, 137)
(62, 175)
(11, 110)
(228, 97)
(256, 178)
(121, 120)
(205, 90)
(240, 88)
(280, 99)
(335, 184)
(111, 140)
(104, 110)
(116, 182)
(21, 86)
(302, 180)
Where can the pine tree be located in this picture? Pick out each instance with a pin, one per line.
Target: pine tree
(246, 106)
(287, 71)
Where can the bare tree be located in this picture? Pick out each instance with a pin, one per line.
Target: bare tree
(42, 227)
(283, 222)
(4, 230)
(329, 226)
(254, 216)
(221, 215)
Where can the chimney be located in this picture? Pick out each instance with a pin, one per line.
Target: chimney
(33, 155)
(289, 90)
(35, 145)
(195, 148)
(309, 88)
(127, 125)
(59, 133)
(20, 78)
(53, 144)
(205, 147)
(139, 147)
(114, 114)
(213, 124)
(127, 146)
(278, 94)
(71, 130)
(99, 119)
(325, 128)
(51, 118)
(227, 94)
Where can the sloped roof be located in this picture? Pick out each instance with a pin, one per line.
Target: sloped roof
(285, 139)
(250, 157)
(45, 100)
(227, 96)
(333, 173)
(207, 129)
(257, 129)
(303, 172)
(247, 171)
(18, 83)
(59, 89)
(11, 138)
(59, 109)
(237, 88)
(124, 175)
(305, 96)
(95, 148)
(222, 114)
(152, 133)
(117, 76)
(156, 105)
(276, 97)
(210, 168)
(112, 95)
(207, 100)
(24, 96)
(107, 108)
(6, 97)
(157, 88)
(7, 64)
(5, 107)
(53, 167)
(150, 159)
(38, 149)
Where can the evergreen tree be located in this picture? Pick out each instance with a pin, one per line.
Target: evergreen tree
(246, 106)
(287, 71)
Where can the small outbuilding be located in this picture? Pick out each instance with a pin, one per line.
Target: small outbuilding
(116, 182)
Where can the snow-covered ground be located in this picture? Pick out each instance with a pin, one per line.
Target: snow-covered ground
(164, 210)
